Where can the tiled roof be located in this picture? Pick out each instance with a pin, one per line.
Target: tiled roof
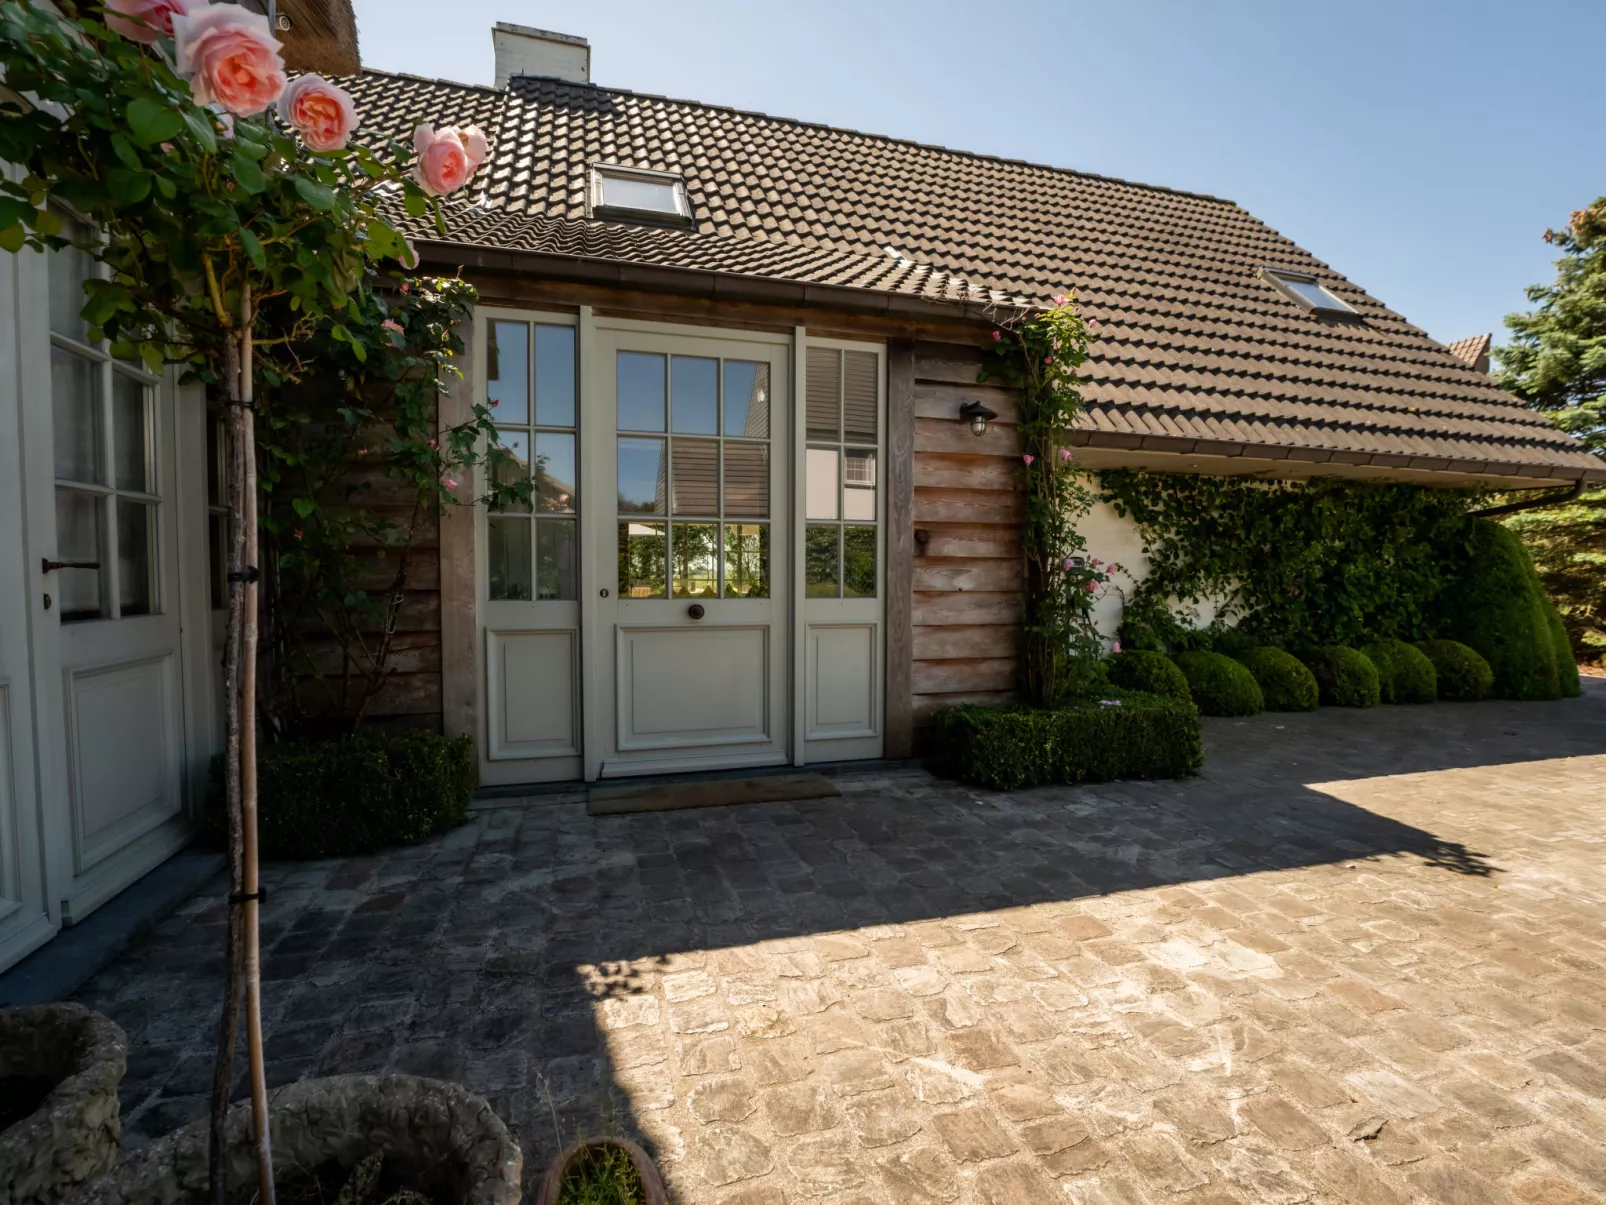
(1192, 342)
(1473, 351)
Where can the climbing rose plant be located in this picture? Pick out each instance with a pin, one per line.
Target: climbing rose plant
(1038, 354)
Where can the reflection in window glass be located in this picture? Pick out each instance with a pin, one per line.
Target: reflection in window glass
(858, 474)
(747, 480)
(858, 562)
(507, 371)
(554, 376)
(554, 473)
(694, 395)
(641, 560)
(641, 477)
(747, 399)
(693, 546)
(512, 466)
(69, 268)
(820, 494)
(508, 554)
(696, 476)
(556, 560)
(130, 435)
(78, 538)
(641, 392)
(747, 560)
(820, 562)
(631, 192)
(75, 384)
(136, 546)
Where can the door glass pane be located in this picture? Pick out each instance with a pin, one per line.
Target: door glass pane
(641, 477)
(641, 392)
(823, 393)
(696, 473)
(78, 538)
(747, 560)
(860, 385)
(556, 559)
(747, 399)
(130, 434)
(694, 395)
(747, 479)
(136, 556)
(68, 270)
(858, 473)
(821, 492)
(75, 384)
(554, 376)
(555, 476)
(508, 552)
(512, 465)
(507, 371)
(694, 547)
(858, 562)
(641, 560)
(819, 562)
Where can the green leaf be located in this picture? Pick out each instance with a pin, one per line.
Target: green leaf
(12, 237)
(126, 152)
(303, 506)
(253, 247)
(416, 203)
(248, 175)
(128, 188)
(152, 355)
(45, 222)
(201, 126)
(166, 187)
(319, 197)
(151, 122)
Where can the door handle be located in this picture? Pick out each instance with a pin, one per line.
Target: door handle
(696, 610)
(50, 566)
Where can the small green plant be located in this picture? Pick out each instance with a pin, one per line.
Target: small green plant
(602, 1175)
(1464, 676)
(1404, 673)
(1220, 685)
(1344, 676)
(1154, 673)
(1285, 683)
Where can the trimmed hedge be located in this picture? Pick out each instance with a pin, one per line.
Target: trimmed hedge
(1219, 685)
(1153, 673)
(1464, 676)
(1497, 607)
(1566, 660)
(1285, 683)
(1088, 740)
(1404, 673)
(332, 799)
(1344, 676)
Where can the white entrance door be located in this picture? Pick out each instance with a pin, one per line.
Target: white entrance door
(691, 602)
(113, 717)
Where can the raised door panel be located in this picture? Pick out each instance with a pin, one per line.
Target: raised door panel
(685, 688)
(842, 662)
(532, 681)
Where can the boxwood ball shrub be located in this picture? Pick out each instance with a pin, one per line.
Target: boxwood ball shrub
(1566, 660)
(330, 799)
(1285, 683)
(1404, 673)
(1464, 676)
(1125, 734)
(1220, 685)
(1151, 672)
(1497, 606)
(1344, 676)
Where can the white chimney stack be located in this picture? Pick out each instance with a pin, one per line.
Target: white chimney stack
(521, 50)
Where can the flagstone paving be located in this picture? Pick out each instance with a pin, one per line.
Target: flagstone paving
(1363, 959)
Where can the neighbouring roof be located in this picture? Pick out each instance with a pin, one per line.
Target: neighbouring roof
(1194, 346)
(1473, 351)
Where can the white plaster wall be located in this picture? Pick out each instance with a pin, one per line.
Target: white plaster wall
(1113, 538)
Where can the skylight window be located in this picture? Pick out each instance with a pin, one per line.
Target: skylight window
(1309, 292)
(637, 194)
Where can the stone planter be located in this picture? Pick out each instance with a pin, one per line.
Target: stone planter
(446, 1141)
(652, 1184)
(75, 1058)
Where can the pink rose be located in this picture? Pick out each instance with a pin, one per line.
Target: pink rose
(447, 157)
(1092, 586)
(144, 20)
(1066, 454)
(997, 335)
(1028, 458)
(451, 483)
(1059, 298)
(390, 324)
(321, 113)
(1093, 323)
(230, 57)
(1116, 647)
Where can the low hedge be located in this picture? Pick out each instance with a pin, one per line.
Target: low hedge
(1566, 660)
(1285, 683)
(331, 799)
(1404, 673)
(1344, 676)
(1220, 685)
(1126, 734)
(1464, 676)
(1153, 673)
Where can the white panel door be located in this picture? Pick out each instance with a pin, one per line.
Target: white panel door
(689, 442)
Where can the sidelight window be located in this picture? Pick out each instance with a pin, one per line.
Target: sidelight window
(840, 474)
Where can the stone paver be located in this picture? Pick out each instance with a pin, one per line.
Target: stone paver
(1363, 959)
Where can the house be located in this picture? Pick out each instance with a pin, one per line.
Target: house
(734, 347)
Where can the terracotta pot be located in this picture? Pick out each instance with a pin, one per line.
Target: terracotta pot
(444, 1139)
(75, 1133)
(652, 1184)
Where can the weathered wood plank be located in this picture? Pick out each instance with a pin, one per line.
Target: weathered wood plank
(981, 640)
(950, 470)
(942, 401)
(925, 705)
(898, 720)
(459, 590)
(966, 506)
(994, 574)
(412, 653)
(941, 677)
(951, 435)
(969, 540)
(948, 362)
(936, 608)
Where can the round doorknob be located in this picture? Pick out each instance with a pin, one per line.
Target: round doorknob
(695, 610)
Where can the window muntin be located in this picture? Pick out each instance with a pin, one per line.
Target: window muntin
(840, 504)
(532, 549)
(1310, 293)
(704, 481)
(638, 193)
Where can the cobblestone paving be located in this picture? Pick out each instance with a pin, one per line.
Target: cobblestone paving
(1362, 960)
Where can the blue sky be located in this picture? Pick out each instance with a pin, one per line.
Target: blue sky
(1420, 148)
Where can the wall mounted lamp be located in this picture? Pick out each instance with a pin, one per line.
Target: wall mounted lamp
(978, 416)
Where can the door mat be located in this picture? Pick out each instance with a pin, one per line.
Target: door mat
(707, 793)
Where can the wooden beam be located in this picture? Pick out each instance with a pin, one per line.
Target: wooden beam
(899, 720)
(459, 573)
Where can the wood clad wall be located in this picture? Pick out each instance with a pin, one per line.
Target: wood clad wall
(967, 572)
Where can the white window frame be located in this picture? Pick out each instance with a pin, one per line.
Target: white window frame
(1283, 277)
(600, 209)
